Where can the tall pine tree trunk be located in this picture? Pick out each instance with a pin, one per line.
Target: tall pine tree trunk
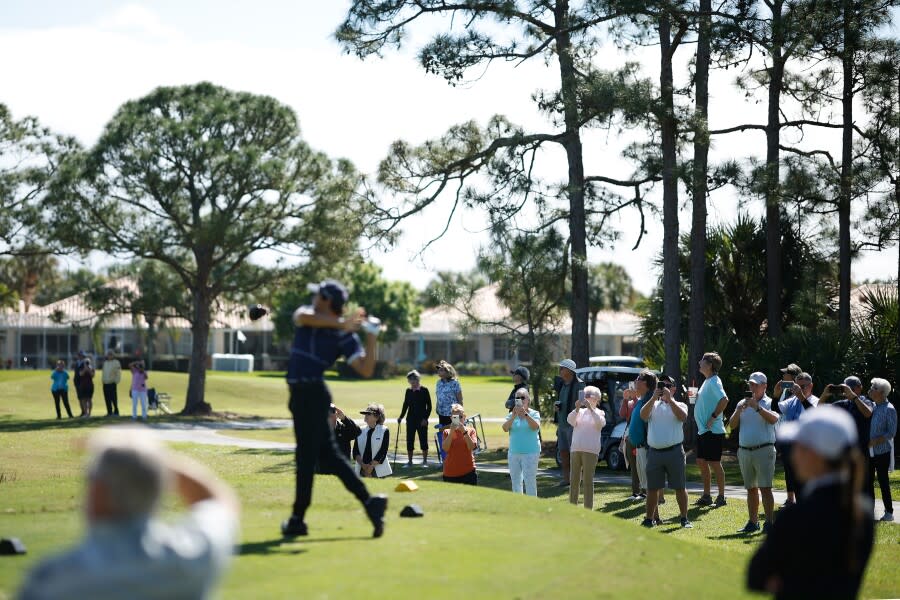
(696, 323)
(575, 187)
(846, 169)
(671, 277)
(774, 284)
(194, 403)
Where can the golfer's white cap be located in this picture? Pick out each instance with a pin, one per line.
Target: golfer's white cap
(826, 430)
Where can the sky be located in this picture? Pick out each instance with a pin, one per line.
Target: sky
(72, 64)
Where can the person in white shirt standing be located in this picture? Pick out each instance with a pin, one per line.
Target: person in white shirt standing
(665, 455)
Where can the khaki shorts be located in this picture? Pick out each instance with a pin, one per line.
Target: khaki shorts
(757, 466)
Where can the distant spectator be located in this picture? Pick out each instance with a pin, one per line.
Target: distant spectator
(523, 425)
(711, 403)
(77, 366)
(755, 420)
(60, 387)
(820, 548)
(128, 552)
(110, 377)
(587, 421)
(568, 395)
(784, 387)
(371, 448)
(665, 419)
(881, 443)
(520, 378)
(800, 398)
(447, 391)
(345, 433)
(139, 378)
(86, 387)
(458, 442)
(848, 396)
(417, 409)
(626, 412)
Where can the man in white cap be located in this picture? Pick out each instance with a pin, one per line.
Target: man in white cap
(755, 420)
(568, 396)
(819, 548)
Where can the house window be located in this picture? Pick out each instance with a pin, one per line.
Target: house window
(502, 350)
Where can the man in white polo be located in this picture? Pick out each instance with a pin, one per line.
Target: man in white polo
(665, 456)
(755, 420)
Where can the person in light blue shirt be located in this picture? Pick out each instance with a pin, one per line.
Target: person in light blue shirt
(60, 387)
(755, 420)
(881, 447)
(523, 426)
(711, 403)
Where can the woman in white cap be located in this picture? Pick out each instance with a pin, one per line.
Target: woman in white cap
(820, 547)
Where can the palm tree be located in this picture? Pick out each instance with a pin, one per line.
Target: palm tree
(609, 288)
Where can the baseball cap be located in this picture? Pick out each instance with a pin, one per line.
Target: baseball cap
(568, 363)
(521, 372)
(827, 430)
(757, 377)
(792, 369)
(853, 381)
(331, 290)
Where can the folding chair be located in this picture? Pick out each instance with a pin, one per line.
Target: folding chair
(158, 401)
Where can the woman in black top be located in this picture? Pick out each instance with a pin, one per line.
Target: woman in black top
(819, 548)
(417, 408)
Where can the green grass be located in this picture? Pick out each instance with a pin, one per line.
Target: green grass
(484, 540)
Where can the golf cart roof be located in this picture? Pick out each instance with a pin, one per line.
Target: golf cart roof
(617, 360)
(595, 373)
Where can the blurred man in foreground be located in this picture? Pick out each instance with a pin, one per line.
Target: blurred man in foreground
(128, 552)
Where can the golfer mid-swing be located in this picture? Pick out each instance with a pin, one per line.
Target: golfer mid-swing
(322, 335)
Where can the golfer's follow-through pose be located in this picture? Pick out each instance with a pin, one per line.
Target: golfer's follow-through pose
(322, 335)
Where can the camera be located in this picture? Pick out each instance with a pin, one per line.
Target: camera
(372, 325)
(748, 394)
(660, 385)
(832, 388)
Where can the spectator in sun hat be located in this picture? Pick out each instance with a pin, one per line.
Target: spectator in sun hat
(447, 392)
(371, 447)
(820, 547)
(520, 377)
(417, 409)
(755, 420)
(568, 395)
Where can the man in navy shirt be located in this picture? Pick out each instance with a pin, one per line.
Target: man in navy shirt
(323, 335)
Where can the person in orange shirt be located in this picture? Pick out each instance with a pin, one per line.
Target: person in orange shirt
(459, 443)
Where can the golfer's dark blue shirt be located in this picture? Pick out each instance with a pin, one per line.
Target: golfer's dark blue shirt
(315, 349)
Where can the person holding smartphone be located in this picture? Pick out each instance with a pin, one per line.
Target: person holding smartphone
(459, 441)
(587, 421)
(799, 400)
(523, 426)
(755, 420)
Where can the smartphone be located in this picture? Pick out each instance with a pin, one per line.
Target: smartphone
(518, 402)
(660, 385)
(580, 395)
(832, 388)
(631, 385)
(454, 420)
(748, 394)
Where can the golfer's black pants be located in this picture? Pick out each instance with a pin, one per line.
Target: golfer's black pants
(412, 428)
(879, 465)
(110, 395)
(316, 444)
(64, 396)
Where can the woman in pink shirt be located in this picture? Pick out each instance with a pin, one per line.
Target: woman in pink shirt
(587, 421)
(138, 389)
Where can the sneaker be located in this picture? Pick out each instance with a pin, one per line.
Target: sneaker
(888, 517)
(750, 527)
(720, 501)
(407, 465)
(649, 523)
(643, 495)
(788, 503)
(375, 508)
(293, 527)
(704, 500)
(686, 524)
(657, 521)
(425, 464)
(767, 527)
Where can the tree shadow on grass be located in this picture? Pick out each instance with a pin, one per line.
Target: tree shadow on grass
(9, 424)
